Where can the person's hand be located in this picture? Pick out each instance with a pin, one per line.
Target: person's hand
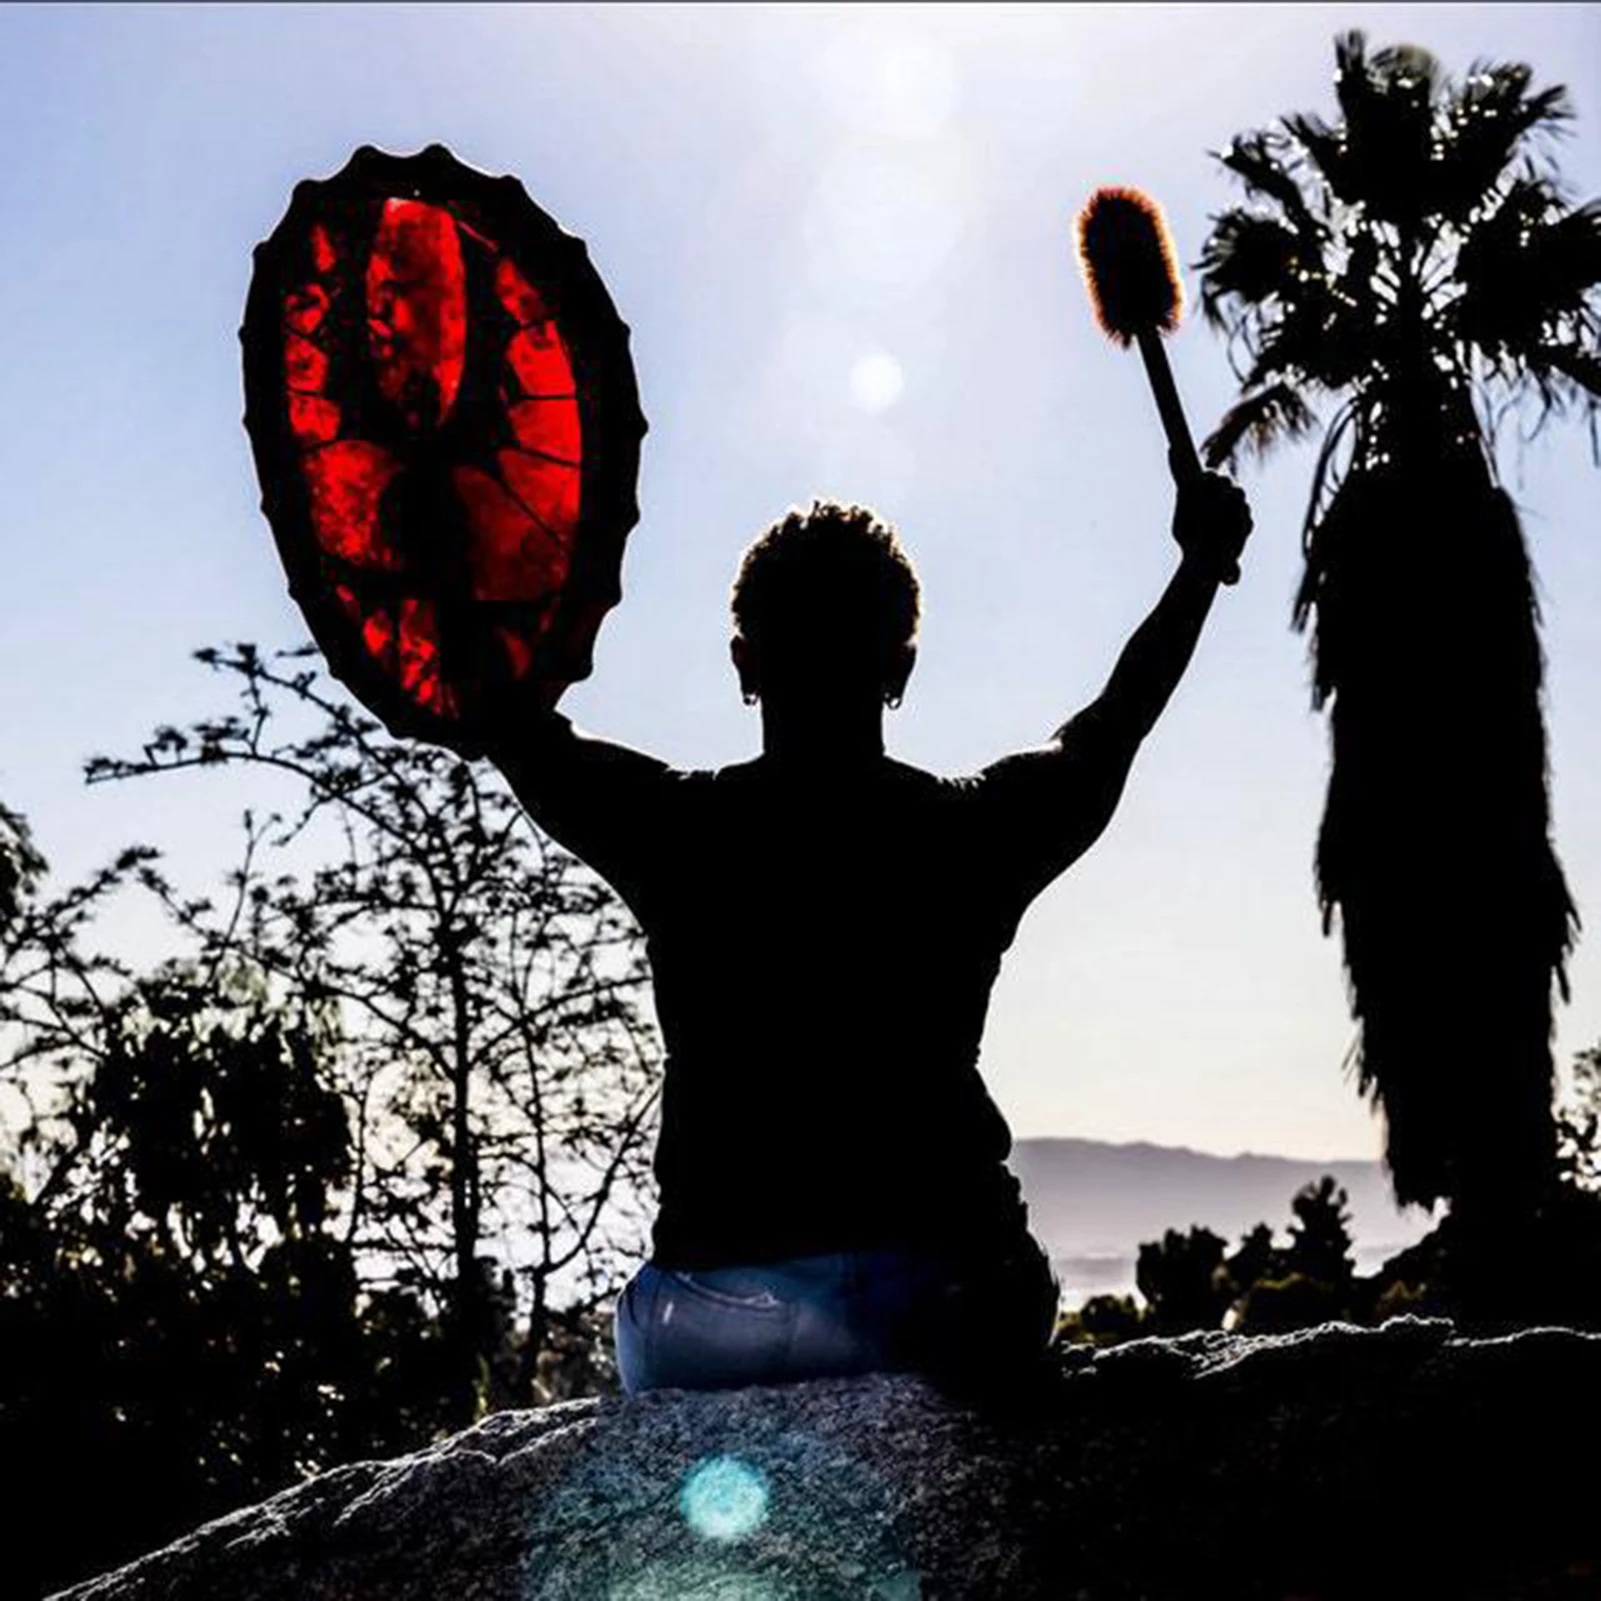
(1211, 522)
(505, 715)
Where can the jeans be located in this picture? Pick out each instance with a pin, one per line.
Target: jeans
(970, 1320)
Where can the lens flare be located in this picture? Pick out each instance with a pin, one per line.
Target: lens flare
(723, 1498)
(877, 381)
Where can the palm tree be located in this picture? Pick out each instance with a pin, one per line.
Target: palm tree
(1415, 274)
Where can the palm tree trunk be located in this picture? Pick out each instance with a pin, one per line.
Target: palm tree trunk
(1435, 842)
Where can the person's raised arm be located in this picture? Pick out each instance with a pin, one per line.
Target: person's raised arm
(1064, 794)
(602, 801)
(1210, 523)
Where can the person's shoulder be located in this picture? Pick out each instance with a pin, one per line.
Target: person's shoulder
(918, 780)
(1006, 790)
(966, 784)
(715, 784)
(949, 795)
(730, 773)
(1015, 764)
(713, 781)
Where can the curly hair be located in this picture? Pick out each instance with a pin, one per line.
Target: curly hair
(835, 565)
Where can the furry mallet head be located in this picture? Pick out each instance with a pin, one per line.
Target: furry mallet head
(1129, 266)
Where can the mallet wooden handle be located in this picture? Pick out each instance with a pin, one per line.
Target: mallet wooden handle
(1186, 463)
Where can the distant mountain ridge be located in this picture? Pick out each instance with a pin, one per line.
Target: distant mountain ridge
(1092, 1202)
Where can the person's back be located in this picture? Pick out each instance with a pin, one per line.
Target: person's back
(824, 926)
(823, 946)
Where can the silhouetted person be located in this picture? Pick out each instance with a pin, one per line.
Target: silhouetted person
(824, 924)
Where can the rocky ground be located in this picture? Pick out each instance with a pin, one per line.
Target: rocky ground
(1408, 1460)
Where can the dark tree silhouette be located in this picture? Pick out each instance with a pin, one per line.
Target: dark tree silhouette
(1102, 1320)
(61, 1005)
(234, 1188)
(1256, 1258)
(182, 1327)
(1418, 268)
(487, 992)
(1320, 1235)
(1579, 1125)
(1183, 1281)
(21, 867)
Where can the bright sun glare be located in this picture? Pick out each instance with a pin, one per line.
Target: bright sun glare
(877, 381)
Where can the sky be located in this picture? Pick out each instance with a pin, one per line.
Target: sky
(841, 238)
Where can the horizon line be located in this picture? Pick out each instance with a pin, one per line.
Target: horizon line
(1193, 1150)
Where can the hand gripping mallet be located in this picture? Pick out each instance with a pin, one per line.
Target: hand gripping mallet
(1130, 271)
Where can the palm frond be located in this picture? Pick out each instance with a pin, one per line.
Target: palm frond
(1563, 376)
(1247, 257)
(1525, 269)
(1563, 267)
(1319, 339)
(1352, 85)
(1407, 70)
(1581, 367)
(1389, 127)
(1257, 159)
(1325, 148)
(1483, 125)
(1258, 421)
(1491, 309)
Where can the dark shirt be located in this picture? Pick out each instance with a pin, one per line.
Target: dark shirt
(823, 946)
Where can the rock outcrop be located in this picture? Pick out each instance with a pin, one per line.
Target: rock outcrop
(1338, 1462)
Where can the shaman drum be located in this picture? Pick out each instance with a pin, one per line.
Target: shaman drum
(446, 428)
